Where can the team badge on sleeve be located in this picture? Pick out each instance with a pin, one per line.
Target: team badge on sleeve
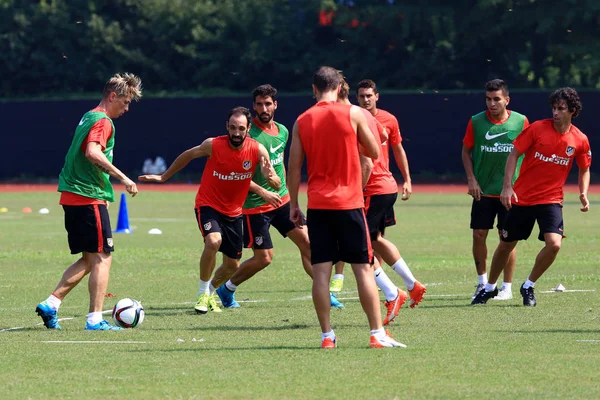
(247, 165)
(207, 226)
(570, 150)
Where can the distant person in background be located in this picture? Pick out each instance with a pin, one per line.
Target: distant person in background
(486, 146)
(550, 146)
(329, 134)
(85, 187)
(264, 206)
(232, 162)
(158, 166)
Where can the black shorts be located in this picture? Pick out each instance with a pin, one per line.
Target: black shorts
(210, 221)
(380, 212)
(339, 235)
(520, 220)
(256, 227)
(88, 229)
(484, 212)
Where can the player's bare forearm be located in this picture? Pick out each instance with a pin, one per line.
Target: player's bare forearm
(95, 155)
(511, 166)
(273, 180)
(366, 166)
(402, 162)
(468, 164)
(583, 181)
(256, 189)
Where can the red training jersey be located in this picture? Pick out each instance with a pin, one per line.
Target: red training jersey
(390, 123)
(381, 180)
(547, 162)
(331, 147)
(227, 176)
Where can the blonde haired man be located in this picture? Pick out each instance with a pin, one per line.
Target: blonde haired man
(85, 187)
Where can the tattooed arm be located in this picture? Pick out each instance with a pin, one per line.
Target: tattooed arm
(93, 152)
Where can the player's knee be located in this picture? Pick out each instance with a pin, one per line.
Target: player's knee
(554, 246)
(212, 244)
(479, 235)
(264, 258)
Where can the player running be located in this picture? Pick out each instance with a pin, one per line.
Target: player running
(264, 206)
(232, 161)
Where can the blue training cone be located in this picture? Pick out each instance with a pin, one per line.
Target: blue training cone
(123, 221)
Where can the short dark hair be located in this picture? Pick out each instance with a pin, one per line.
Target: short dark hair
(570, 96)
(240, 111)
(496, 84)
(367, 84)
(326, 79)
(264, 91)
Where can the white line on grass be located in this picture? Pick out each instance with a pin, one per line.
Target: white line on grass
(93, 341)
(567, 291)
(589, 341)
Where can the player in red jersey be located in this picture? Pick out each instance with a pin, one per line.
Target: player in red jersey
(379, 191)
(329, 134)
(231, 164)
(550, 147)
(385, 250)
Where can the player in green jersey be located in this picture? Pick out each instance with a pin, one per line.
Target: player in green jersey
(85, 189)
(486, 146)
(265, 206)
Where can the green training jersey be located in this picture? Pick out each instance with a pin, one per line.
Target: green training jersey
(492, 145)
(79, 175)
(275, 145)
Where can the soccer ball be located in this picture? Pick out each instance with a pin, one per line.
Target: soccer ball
(128, 313)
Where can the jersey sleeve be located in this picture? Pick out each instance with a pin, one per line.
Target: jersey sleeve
(469, 139)
(394, 136)
(584, 156)
(100, 132)
(525, 123)
(525, 139)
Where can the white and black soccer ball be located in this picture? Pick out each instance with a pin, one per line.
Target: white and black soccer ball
(128, 313)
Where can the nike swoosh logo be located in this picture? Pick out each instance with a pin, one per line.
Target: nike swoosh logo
(490, 137)
(274, 149)
(82, 121)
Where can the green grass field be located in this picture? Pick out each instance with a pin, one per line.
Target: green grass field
(269, 349)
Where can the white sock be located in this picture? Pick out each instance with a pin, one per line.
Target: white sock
(211, 289)
(482, 279)
(402, 269)
(385, 284)
(330, 335)
(94, 318)
(203, 287)
(230, 286)
(54, 302)
(528, 284)
(507, 287)
(378, 333)
(338, 276)
(490, 287)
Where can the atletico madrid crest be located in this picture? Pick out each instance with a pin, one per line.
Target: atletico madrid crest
(207, 226)
(247, 165)
(258, 240)
(570, 150)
